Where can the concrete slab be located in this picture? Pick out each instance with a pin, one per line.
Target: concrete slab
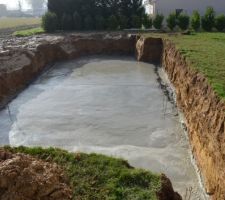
(108, 105)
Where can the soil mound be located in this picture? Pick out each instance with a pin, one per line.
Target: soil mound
(23, 177)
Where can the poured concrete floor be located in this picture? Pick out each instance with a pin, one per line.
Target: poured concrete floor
(107, 105)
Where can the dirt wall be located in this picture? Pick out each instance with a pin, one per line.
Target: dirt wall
(204, 113)
(203, 110)
(19, 66)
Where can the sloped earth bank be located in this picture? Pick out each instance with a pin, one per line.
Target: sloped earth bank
(203, 110)
(25, 177)
(24, 60)
(204, 113)
(90, 176)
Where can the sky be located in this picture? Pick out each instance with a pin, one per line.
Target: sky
(219, 5)
(13, 4)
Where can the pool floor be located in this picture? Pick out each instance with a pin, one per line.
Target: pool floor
(107, 105)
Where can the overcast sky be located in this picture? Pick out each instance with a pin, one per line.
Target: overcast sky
(163, 5)
(13, 4)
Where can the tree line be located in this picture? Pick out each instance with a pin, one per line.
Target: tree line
(123, 14)
(94, 14)
(207, 22)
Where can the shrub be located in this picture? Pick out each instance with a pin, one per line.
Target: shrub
(183, 21)
(99, 22)
(136, 21)
(147, 21)
(49, 22)
(123, 22)
(77, 21)
(88, 23)
(157, 22)
(220, 23)
(195, 20)
(208, 20)
(171, 21)
(112, 22)
(104, 8)
(67, 22)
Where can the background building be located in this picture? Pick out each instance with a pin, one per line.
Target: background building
(167, 6)
(3, 10)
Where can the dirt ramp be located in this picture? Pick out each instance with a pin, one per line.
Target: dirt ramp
(23, 177)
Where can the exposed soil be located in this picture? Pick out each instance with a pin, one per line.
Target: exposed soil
(21, 60)
(167, 192)
(149, 50)
(205, 116)
(204, 112)
(23, 177)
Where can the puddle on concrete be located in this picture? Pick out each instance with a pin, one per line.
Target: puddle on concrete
(108, 105)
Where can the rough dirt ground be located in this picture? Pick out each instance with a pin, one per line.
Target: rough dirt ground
(18, 171)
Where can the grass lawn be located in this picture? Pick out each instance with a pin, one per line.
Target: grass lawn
(29, 32)
(12, 22)
(100, 177)
(206, 53)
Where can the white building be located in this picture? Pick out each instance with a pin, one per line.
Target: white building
(3, 10)
(167, 6)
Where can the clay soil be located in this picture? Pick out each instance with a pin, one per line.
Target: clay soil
(23, 177)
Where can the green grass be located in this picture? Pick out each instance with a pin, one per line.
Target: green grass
(100, 177)
(206, 53)
(12, 22)
(29, 32)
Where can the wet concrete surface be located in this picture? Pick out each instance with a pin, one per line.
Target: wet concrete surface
(108, 105)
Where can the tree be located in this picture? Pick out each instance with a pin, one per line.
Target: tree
(220, 23)
(157, 22)
(136, 21)
(122, 9)
(112, 22)
(19, 6)
(208, 20)
(171, 21)
(88, 23)
(77, 21)
(195, 20)
(37, 5)
(67, 22)
(58, 7)
(123, 22)
(130, 8)
(147, 21)
(49, 22)
(99, 22)
(183, 21)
